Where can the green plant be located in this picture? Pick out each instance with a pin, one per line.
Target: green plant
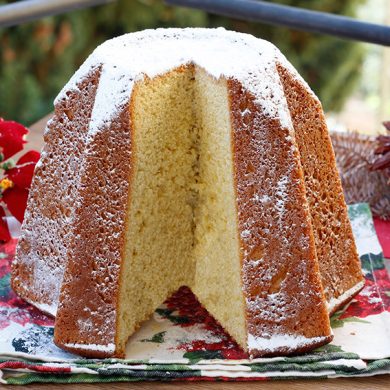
(36, 59)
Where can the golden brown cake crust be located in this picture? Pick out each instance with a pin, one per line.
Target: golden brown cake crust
(279, 266)
(93, 271)
(336, 250)
(95, 312)
(46, 227)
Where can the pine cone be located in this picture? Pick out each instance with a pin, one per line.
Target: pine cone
(355, 158)
(383, 149)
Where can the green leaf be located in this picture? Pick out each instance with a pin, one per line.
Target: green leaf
(358, 210)
(336, 322)
(157, 338)
(355, 319)
(196, 356)
(329, 348)
(371, 262)
(5, 285)
(173, 318)
(8, 164)
(34, 67)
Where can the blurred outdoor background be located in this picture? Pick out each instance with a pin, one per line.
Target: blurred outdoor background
(352, 79)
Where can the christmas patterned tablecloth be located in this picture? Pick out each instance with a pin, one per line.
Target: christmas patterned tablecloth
(183, 342)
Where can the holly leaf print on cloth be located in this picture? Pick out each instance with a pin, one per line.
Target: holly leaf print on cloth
(329, 348)
(5, 286)
(337, 322)
(33, 339)
(196, 356)
(157, 338)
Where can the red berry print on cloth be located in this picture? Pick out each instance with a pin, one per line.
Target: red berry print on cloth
(191, 312)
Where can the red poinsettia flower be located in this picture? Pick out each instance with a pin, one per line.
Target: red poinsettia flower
(16, 201)
(21, 175)
(4, 232)
(15, 184)
(373, 299)
(11, 138)
(185, 310)
(16, 194)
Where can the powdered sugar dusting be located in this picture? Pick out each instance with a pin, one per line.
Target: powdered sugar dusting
(334, 302)
(112, 95)
(281, 341)
(41, 254)
(50, 309)
(221, 53)
(109, 348)
(278, 267)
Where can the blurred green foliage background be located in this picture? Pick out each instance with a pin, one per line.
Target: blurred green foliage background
(38, 58)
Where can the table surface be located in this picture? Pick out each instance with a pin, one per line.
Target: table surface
(373, 383)
(35, 141)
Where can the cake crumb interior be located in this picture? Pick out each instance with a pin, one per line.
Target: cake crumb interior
(182, 223)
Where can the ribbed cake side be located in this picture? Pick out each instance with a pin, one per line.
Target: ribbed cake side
(336, 250)
(285, 305)
(87, 314)
(41, 254)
